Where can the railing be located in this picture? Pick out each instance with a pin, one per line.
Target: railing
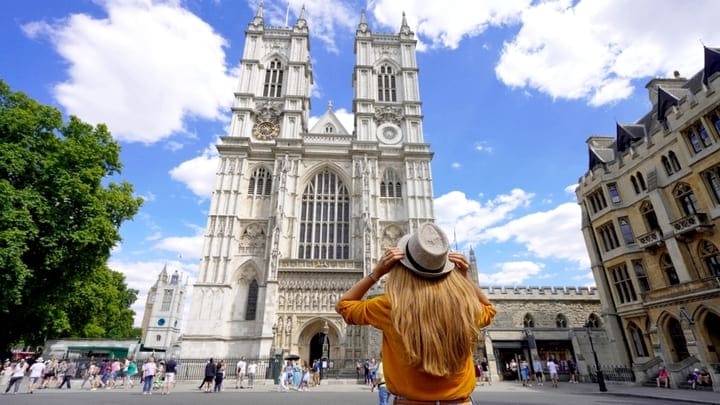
(690, 223)
(651, 239)
(706, 285)
(612, 373)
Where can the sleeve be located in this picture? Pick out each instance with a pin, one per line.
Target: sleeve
(487, 316)
(374, 311)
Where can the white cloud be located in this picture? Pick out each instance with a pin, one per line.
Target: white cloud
(186, 247)
(142, 70)
(593, 50)
(446, 23)
(198, 173)
(143, 275)
(455, 165)
(454, 212)
(547, 234)
(511, 273)
(482, 146)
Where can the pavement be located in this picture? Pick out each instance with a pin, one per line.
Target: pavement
(614, 390)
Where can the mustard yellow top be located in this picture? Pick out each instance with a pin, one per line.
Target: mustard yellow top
(400, 378)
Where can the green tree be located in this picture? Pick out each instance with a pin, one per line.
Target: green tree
(59, 218)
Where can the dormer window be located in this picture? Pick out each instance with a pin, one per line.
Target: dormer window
(329, 129)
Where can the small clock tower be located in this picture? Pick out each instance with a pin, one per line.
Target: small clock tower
(163, 311)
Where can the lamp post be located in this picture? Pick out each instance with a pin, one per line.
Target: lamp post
(274, 358)
(326, 350)
(600, 378)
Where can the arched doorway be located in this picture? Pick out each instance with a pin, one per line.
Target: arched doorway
(710, 323)
(319, 345)
(678, 344)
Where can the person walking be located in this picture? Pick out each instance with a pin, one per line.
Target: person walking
(17, 376)
(170, 371)
(552, 367)
(68, 374)
(36, 372)
(431, 315)
(485, 367)
(219, 376)
(209, 375)
(148, 375)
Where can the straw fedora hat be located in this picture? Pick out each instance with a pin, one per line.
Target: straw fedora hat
(426, 251)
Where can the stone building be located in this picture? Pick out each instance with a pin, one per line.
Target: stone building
(163, 315)
(651, 208)
(299, 214)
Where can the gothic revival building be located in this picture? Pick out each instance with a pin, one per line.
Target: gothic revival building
(651, 209)
(163, 312)
(299, 214)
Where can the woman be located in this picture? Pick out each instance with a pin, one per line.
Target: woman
(219, 376)
(210, 369)
(431, 316)
(148, 375)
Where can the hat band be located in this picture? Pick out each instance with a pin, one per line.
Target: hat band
(418, 265)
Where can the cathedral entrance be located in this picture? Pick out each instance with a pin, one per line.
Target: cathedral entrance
(319, 347)
(316, 341)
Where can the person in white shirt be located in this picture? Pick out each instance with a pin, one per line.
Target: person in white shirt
(553, 371)
(18, 373)
(240, 370)
(37, 370)
(251, 371)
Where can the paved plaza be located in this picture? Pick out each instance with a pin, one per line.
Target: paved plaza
(350, 393)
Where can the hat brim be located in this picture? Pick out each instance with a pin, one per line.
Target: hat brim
(402, 244)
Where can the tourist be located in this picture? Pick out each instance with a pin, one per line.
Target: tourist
(383, 394)
(572, 369)
(36, 372)
(552, 367)
(240, 370)
(132, 370)
(209, 375)
(663, 377)
(525, 373)
(251, 371)
(485, 372)
(148, 375)
(430, 315)
(170, 371)
(68, 373)
(693, 378)
(17, 375)
(539, 376)
(704, 379)
(219, 376)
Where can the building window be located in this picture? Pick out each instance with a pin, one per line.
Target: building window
(594, 321)
(714, 117)
(641, 276)
(623, 284)
(626, 230)
(561, 321)
(260, 182)
(686, 199)
(635, 185)
(167, 300)
(608, 236)
(638, 340)
(712, 180)
(597, 201)
(252, 298)
(641, 181)
(674, 162)
(386, 84)
(668, 268)
(273, 79)
(614, 193)
(710, 256)
(666, 164)
(158, 338)
(329, 129)
(698, 137)
(648, 213)
(528, 321)
(325, 219)
(390, 185)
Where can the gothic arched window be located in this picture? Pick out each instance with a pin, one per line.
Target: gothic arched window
(561, 321)
(710, 256)
(528, 321)
(387, 90)
(329, 129)
(260, 182)
(252, 297)
(674, 162)
(325, 218)
(648, 213)
(712, 178)
(641, 181)
(390, 185)
(686, 199)
(638, 340)
(273, 79)
(634, 182)
(594, 321)
(669, 269)
(666, 164)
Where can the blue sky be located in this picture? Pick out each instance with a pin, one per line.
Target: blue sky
(511, 90)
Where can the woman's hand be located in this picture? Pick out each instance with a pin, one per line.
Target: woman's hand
(461, 263)
(387, 261)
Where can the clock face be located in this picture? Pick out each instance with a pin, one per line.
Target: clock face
(266, 131)
(389, 134)
(161, 321)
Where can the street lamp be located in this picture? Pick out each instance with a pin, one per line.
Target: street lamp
(600, 378)
(326, 350)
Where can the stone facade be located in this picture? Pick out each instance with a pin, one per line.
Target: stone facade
(651, 209)
(163, 314)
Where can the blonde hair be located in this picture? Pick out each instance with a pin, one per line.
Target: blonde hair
(436, 319)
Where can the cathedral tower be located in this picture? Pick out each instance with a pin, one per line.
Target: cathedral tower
(299, 214)
(163, 312)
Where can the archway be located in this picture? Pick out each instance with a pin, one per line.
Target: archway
(678, 344)
(316, 340)
(318, 347)
(712, 336)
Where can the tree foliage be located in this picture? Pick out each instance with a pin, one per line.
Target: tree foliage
(59, 219)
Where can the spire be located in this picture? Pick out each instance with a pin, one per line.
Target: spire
(163, 274)
(404, 27)
(362, 26)
(301, 21)
(330, 105)
(259, 13)
(258, 20)
(302, 13)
